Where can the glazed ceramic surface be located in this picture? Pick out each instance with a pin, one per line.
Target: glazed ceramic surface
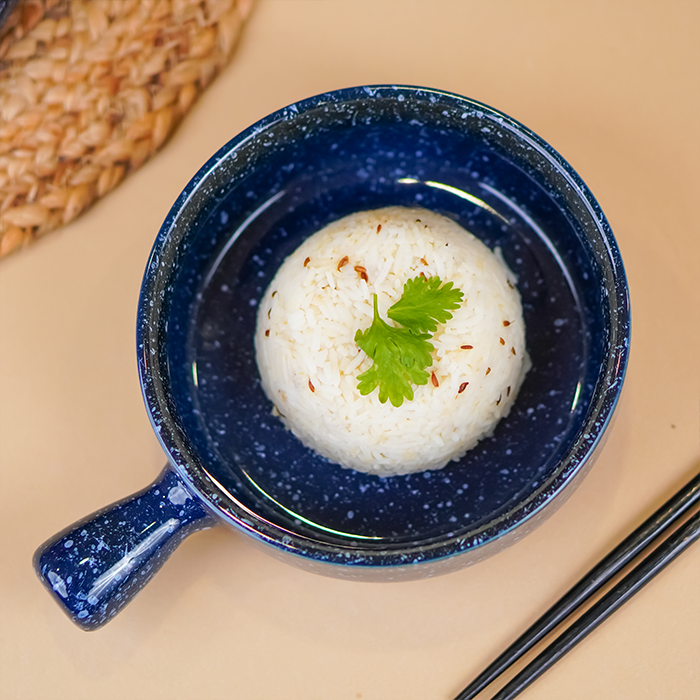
(250, 206)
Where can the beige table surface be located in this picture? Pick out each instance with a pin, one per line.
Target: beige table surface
(613, 85)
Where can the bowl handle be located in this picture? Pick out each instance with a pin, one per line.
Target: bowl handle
(96, 566)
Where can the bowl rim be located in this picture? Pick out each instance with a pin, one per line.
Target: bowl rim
(217, 499)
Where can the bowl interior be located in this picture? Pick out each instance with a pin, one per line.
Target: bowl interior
(287, 177)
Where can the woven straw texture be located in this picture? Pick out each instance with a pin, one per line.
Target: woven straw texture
(91, 90)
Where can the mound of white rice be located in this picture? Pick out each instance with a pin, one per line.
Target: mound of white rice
(320, 297)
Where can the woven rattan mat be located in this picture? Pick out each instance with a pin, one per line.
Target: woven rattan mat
(90, 90)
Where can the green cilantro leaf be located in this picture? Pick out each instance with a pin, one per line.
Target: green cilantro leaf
(392, 376)
(425, 303)
(401, 355)
(400, 358)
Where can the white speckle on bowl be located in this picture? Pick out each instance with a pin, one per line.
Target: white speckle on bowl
(177, 495)
(58, 584)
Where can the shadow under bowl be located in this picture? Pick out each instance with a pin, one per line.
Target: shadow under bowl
(282, 180)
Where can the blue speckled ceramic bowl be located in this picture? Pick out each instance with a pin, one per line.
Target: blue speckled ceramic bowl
(232, 462)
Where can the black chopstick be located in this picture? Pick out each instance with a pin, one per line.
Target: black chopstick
(661, 557)
(596, 578)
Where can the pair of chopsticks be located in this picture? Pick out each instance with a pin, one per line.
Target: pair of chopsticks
(645, 535)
